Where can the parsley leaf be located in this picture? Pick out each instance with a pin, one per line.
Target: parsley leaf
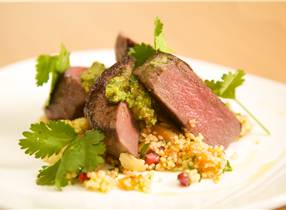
(225, 88)
(45, 140)
(82, 154)
(141, 52)
(89, 77)
(160, 43)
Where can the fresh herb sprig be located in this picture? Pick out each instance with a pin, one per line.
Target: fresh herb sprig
(226, 87)
(227, 168)
(81, 153)
(52, 65)
(141, 52)
(160, 43)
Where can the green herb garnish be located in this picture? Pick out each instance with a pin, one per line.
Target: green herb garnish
(81, 153)
(226, 87)
(227, 168)
(143, 149)
(131, 91)
(160, 43)
(89, 77)
(191, 165)
(141, 52)
(44, 140)
(53, 65)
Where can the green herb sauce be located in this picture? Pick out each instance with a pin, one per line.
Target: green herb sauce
(89, 77)
(129, 90)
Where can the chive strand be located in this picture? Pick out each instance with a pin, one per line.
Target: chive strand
(253, 117)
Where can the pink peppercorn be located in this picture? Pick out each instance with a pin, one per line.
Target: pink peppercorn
(152, 158)
(82, 177)
(184, 179)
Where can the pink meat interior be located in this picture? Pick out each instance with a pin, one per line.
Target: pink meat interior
(126, 132)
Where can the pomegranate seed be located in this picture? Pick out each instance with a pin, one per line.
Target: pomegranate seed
(82, 177)
(152, 158)
(184, 179)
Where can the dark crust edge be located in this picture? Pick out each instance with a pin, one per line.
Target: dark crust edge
(101, 82)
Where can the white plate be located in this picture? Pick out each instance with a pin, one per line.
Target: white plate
(258, 180)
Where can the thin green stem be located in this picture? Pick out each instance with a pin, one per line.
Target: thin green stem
(253, 117)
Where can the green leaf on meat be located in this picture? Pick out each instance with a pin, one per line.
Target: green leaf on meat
(141, 52)
(52, 65)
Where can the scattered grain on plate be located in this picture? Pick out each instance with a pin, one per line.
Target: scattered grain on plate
(257, 141)
(188, 177)
(101, 180)
(138, 182)
(245, 124)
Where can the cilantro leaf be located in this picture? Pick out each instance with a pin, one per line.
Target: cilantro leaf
(226, 87)
(62, 60)
(47, 64)
(141, 52)
(44, 66)
(47, 174)
(94, 148)
(71, 161)
(53, 65)
(160, 43)
(230, 82)
(45, 140)
(143, 149)
(214, 86)
(82, 154)
(89, 77)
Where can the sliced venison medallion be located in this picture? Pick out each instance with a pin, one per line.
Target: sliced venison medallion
(185, 96)
(68, 98)
(122, 46)
(114, 119)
